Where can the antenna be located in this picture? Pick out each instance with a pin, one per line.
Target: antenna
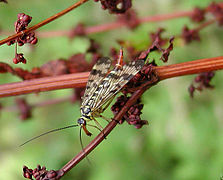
(81, 142)
(82, 147)
(48, 132)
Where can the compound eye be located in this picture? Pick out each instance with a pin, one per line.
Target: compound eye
(81, 121)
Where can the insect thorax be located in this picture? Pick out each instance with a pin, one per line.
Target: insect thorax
(86, 115)
(86, 112)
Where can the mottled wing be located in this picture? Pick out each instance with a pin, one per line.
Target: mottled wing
(114, 82)
(98, 72)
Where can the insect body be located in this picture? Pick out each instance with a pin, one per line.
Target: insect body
(103, 85)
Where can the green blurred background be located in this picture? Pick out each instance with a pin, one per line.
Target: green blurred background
(184, 139)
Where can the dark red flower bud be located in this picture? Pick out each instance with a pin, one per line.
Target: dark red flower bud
(10, 42)
(34, 41)
(19, 58)
(27, 173)
(15, 61)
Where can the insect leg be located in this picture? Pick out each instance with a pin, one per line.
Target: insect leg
(85, 130)
(105, 118)
(98, 114)
(96, 127)
(99, 126)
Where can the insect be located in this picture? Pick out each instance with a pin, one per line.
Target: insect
(103, 85)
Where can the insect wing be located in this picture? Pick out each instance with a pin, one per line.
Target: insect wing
(114, 82)
(98, 72)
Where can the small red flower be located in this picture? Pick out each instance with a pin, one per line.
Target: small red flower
(19, 58)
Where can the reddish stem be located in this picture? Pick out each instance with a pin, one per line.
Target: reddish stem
(116, 25)
(102, 27)
(80, 79)
(44, 84)
(205, 24)
(190, 67)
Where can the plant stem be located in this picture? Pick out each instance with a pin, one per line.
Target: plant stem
(44, 84)
(190, 67)
(80, 79)
(113, 25)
